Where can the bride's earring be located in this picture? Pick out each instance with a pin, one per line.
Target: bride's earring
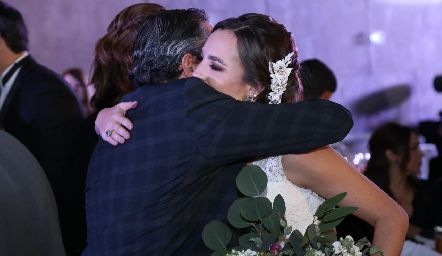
(251, 97)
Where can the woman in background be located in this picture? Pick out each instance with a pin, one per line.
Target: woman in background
(77, 80)
(394, 166)
(113, 60)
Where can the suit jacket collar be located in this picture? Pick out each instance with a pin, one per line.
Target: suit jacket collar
(198, 93)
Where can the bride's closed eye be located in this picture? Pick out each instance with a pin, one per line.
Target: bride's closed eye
(215, 67)
(216, 63)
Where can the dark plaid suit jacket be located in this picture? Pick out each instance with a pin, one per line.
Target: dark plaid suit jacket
(154, 194)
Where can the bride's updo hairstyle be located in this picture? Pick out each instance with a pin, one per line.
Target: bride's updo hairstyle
(261, 39)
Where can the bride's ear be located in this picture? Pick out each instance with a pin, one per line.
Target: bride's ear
(188, 65)
(255, 90)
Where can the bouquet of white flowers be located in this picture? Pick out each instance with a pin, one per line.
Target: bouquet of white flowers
(268, 231)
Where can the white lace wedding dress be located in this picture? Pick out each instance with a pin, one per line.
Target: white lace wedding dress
(300, 203)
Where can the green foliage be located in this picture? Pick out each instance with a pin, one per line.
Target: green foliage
(273, 221)
(329, 204)
(267, 226)
(250, 241)
(256, 208)
(251, 181)
(329, 216)
(234, 214)
(216, 235)
(295, 242)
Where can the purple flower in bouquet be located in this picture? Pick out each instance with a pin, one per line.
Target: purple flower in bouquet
(275, 248)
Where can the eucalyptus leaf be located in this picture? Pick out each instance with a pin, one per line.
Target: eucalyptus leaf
(283, 222)
(259, 228)
(216, 235)
(288, 230)
(364, 241)
(255, 209)
(272, 238)
(326, 240)
(375, 249)
(271, 223)
(279, 206)
(251, 181)
(288, 251)
(237, 248)
(234, 215)
(329, 204)
(311, 234)
(267, 224)
(245, 241)
(328, 237)
(338, 213)
(295, 241)
(328, 251)
(220, 252)
(325, 226)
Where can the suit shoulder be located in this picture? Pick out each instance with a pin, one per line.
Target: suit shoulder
(40, 72)
(155, 91)
(36, 74)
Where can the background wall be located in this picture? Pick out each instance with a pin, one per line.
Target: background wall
(392, 80)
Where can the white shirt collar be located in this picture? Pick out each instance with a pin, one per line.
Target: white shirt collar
(7, 87)
(12, 64)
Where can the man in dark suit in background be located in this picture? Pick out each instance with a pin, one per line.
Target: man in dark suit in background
(153, 194)
(36, 105)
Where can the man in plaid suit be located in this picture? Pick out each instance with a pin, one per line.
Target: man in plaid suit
(153, 194)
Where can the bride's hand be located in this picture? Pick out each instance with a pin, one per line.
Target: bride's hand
(111, 124)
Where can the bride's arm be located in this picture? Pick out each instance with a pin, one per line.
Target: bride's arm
(325, 172)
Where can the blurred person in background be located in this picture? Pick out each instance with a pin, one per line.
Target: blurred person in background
(394, 166)
(37, 106)
(76, 78)
(28, 213)
(318, 79)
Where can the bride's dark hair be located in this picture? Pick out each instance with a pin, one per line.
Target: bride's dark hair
(262, 39)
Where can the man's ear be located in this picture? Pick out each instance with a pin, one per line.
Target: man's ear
(326, 95)
(2, 42)
(189, 64)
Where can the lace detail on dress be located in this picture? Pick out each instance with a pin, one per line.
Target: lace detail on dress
(272, 167)
(300, 203)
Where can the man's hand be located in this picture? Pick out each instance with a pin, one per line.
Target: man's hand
(112, 125)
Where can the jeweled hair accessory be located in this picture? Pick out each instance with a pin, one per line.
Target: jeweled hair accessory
(280, 75)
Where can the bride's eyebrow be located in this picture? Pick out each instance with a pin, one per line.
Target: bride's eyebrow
(217, 60)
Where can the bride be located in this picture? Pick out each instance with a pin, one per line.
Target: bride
(235, 61)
